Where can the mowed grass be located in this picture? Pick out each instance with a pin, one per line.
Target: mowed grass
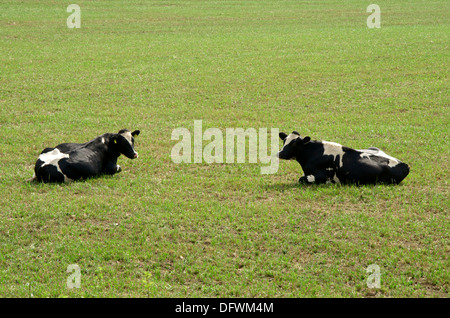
(160, 229)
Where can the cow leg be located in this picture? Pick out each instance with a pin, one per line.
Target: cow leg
(112, 168)
(316, 177)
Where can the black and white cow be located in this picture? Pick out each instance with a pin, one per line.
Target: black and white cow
(325, 162)
(71, 161)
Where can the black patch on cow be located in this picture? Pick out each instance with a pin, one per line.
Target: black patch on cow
(49, 173)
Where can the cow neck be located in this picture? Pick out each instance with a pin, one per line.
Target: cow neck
(303, 154)
(111, 147)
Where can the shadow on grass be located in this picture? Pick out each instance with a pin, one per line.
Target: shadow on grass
(281, 187)
(34, 183)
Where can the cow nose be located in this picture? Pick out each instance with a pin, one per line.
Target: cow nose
(135, 155)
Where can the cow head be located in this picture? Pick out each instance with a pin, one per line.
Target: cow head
(123, 142)
(292, 144)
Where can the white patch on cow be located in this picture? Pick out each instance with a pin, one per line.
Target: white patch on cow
(103, 140)
(392, 161)
(52, 158)
(290, 138)
(333, 149)
(311, 178)
(287, 141)
(128, 137)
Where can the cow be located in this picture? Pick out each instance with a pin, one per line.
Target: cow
(71, 161)
(330, 162)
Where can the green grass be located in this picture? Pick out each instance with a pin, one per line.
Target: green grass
(159, 229)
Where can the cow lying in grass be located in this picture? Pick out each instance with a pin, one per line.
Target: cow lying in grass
(71, 161)
(325, 162)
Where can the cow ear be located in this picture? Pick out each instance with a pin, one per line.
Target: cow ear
(135, 133)
(282, 135)
(114, 139)
(306, 140)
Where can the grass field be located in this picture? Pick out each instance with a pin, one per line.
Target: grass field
(160, 229)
